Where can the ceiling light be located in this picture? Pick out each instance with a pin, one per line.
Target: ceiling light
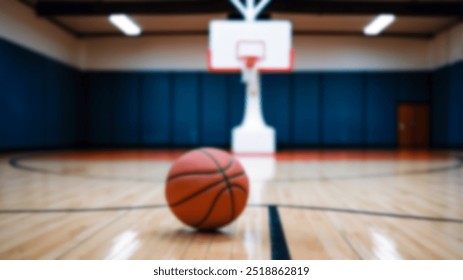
(378, 24)
(125, 24)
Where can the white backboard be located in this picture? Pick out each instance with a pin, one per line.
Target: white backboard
(231, 41)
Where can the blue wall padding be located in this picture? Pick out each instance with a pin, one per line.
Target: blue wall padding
(305, 114)
(235, 91)
(277, 105)
(185, 109)
(45, 104)
(380, 109)
(155, 109)
(342, 109)
(440, 104)
(456, 106)
(414, 86)
(37, 98)
(214, 127)
(447, 107)
(126, 106)
(100, 109)
(62, 88)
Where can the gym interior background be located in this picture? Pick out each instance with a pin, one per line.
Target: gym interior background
(86, 85)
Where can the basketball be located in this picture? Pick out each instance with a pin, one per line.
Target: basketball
(207, 188)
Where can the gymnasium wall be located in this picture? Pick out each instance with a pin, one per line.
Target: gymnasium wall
(42, 101)
(155, 91)
(344, 92)
(447, 47)
(447, 91)
(308, 109)
(447, 102)
(37, 100)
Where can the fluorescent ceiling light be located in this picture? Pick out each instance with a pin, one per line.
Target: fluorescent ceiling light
(125, 24)
(378, 24)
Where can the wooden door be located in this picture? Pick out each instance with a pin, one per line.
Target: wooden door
(413, 125)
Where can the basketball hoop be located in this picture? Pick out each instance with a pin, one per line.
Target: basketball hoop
(249, 69)
(251, 46)
(250, 61)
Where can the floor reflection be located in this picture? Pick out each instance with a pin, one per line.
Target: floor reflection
(124, 245)
(260, 171)
(384, 247)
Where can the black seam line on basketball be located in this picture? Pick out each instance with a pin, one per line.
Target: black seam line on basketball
(362, 212)
(232, 200)
(216, 183)
(225, 178)
(200, 173)
(221, 170)
(239, 187)
(15, 163)
(278, 246)
(209, 211)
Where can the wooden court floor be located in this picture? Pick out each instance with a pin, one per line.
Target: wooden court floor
(302, 205)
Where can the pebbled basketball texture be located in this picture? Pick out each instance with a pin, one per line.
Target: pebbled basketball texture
(207, 188)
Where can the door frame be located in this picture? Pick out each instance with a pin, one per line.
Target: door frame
(426, 103)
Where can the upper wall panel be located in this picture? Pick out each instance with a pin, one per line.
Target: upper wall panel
(179, 53)
(447, 47)
(20, 25)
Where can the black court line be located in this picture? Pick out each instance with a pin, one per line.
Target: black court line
(77, 210)
(15, 162)
(303, 207)
(369, 213)
(456, 166)
(278, 245)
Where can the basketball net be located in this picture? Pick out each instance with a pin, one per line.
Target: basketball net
(249, 71)
(251, 61)
(253, 111)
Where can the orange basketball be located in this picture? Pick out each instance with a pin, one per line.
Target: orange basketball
(207, 188)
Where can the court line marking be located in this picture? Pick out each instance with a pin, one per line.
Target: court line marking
(94, 233)
(303, 207)
(15, 163)
(279, 248)
(278, 245)
(370, 213)
(346, 239)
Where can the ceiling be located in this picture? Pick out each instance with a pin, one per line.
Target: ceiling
(88, 18)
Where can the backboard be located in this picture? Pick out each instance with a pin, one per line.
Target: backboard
(234, 44)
